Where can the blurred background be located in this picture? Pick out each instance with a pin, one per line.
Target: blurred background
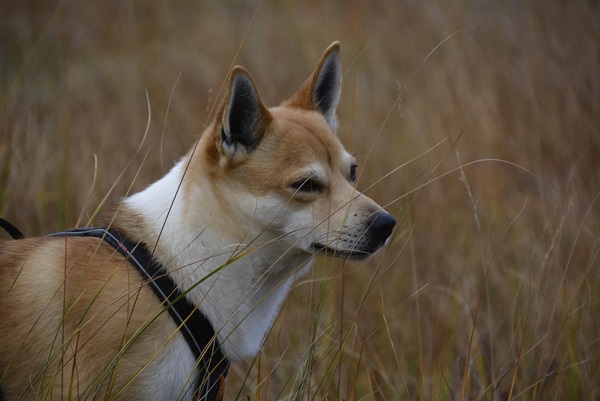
(476, 123)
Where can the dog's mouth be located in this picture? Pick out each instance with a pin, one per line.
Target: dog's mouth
(358, 244)
(350, 254)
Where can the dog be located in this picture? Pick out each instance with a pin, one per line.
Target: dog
(232, 225)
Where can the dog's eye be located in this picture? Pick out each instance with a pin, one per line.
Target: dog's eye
(353, 172)
(306, 185)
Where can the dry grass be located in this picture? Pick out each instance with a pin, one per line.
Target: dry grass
(490, 287)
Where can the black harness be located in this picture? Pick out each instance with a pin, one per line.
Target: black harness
(195, 327)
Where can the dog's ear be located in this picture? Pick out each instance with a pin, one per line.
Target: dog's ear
(244, 117)
(321, 91)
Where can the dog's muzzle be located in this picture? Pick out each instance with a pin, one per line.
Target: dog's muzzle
(360, 241)
(380, 227)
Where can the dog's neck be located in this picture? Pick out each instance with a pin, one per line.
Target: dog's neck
(249, 272)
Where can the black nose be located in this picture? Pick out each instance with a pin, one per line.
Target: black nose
(381, 225)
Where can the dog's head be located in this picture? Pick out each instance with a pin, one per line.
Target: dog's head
(284, 172)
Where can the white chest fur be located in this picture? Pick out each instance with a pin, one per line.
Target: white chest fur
(239, 288)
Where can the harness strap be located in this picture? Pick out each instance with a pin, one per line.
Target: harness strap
(195, 327)
(13, 231)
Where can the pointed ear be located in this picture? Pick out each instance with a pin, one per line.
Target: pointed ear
(244, 117)
(321, 91)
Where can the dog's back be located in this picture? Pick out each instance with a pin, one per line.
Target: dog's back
(74, 334)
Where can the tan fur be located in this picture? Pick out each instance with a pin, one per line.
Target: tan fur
(103, 304)
(71, 309)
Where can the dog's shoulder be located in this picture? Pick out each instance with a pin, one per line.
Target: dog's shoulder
(60, 259)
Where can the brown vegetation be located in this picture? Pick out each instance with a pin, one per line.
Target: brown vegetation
(490, 286)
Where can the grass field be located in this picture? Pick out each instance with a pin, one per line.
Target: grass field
(477, 124)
